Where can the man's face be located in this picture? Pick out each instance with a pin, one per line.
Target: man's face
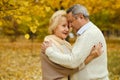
(73, 21)
(69, 18)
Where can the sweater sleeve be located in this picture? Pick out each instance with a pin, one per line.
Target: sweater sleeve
(80, 51)
(62, 59)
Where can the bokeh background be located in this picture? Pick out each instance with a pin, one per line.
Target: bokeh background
(24, 24)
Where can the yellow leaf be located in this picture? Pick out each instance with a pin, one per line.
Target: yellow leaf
(0, 23)
(33, 29)
(37, 23)
(27, 36)
(22, 9)
(28, 18)
(12, 2)
(47, 9)
(1, 3)
(26, 3)
(19, 21)
(42, 1)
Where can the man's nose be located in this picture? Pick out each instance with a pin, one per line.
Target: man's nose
(70, 24)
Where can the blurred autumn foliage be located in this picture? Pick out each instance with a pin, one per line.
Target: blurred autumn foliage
(20, 60)
(31, 17)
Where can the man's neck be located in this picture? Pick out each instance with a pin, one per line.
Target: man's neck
(85, 22)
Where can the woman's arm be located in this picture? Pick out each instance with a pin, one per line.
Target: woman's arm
(95, 52)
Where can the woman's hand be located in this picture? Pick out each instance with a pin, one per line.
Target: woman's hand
(96, 51)
(45, 45)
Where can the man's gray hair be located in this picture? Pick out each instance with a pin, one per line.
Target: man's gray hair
(77, 9)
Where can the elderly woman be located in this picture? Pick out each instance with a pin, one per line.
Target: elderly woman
(59, 30)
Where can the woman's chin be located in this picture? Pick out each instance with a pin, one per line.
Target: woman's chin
(65, 37)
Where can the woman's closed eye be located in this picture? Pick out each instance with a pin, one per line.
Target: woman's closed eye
(64, 25)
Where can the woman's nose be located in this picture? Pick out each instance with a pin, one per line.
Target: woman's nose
(66, 28)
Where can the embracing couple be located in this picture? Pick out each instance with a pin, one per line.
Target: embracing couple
(85, 60)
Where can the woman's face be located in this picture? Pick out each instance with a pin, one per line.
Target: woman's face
(62, 29)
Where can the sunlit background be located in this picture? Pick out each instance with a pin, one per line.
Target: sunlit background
(24, 24)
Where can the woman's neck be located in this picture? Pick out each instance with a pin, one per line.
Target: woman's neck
(58, 37)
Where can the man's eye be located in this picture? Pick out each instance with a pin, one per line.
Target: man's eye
(70, 21)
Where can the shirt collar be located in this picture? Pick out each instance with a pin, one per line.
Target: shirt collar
(84, 28)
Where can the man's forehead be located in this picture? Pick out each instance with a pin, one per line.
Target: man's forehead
(69, 15)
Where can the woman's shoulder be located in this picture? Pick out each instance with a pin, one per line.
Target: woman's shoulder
(48, 38)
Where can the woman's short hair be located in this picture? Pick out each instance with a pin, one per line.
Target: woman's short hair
(55, 19)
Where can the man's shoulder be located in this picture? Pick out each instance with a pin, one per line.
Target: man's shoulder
(93, 29)
(92, 32)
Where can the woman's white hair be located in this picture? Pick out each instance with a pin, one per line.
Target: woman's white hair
(55, 19)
